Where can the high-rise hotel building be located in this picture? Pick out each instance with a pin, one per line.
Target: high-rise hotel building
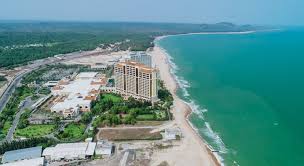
(136, 79)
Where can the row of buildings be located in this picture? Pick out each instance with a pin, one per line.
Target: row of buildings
(73, 96)
(61, 152)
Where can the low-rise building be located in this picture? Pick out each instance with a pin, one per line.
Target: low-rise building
(172, 134)
(70, 151)
(104, 148)
(50, 84)
(21, 154)
(33, 120)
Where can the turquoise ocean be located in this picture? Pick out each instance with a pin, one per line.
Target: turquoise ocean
(247, 93)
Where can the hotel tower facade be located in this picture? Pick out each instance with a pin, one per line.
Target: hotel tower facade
(136, 79)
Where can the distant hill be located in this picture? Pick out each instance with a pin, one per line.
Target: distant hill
(228, 27)
(25, 41)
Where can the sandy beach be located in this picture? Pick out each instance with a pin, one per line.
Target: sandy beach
(192, 150)
(213, 33)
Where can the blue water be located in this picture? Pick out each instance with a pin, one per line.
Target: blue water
(247, 91)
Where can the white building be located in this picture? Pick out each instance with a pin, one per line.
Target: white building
(172, 134)
(104, 148)
(76, 95)
(50, 84)
(69, 151)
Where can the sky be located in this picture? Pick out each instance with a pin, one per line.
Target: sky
(262, 12)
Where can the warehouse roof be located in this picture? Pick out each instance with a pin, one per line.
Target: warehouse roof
(32, 162)
(70, 150)
(87, 74)
(21, 154)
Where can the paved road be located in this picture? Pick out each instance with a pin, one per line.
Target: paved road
(89, 125)
(9, 90)
(27, 104)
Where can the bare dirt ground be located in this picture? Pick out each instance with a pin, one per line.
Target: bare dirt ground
(123, 134)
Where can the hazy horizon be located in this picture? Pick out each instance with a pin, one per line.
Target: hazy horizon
(258, 12)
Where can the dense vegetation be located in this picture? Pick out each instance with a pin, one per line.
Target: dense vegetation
(11, 108)
(2, 78)
(14, 145)
(112, 110)
(23, 121)
(24, 42)
(72, 131)
(35, 130)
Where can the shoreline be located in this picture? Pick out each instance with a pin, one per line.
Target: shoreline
(182, 110)
(217, 33)
(207, 33)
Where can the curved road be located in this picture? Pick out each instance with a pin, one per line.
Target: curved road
(10, 89)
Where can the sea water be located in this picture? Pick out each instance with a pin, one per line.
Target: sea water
(246, 91)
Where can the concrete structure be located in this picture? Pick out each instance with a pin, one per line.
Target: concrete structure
(104, 148)
(27, 162)
(50, 84)
(40, 102)
(76, 95)
(172, 134)
(40, 120)
(141, 57)
(102, 66)
(136, 80)
(108, 89)
(22, 154)
(69, 151)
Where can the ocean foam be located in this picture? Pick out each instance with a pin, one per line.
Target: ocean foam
(217, 139)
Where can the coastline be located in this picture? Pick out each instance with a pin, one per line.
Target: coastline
(207, 33)
(199, 151)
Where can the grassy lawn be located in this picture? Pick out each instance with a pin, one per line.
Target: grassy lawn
(145, 117)
(73, 131)
(35, 131)
(160, 115)
(2, 83)
(112, 97)
(6, 127)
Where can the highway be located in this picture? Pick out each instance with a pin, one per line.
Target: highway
(10, 89)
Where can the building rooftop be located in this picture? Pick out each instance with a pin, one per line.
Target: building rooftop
(104, 147)
(31, 162)
(21, 154)
(70, 150)
(173, 131)
(141, 66)
(80, 91)
(87, 74)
